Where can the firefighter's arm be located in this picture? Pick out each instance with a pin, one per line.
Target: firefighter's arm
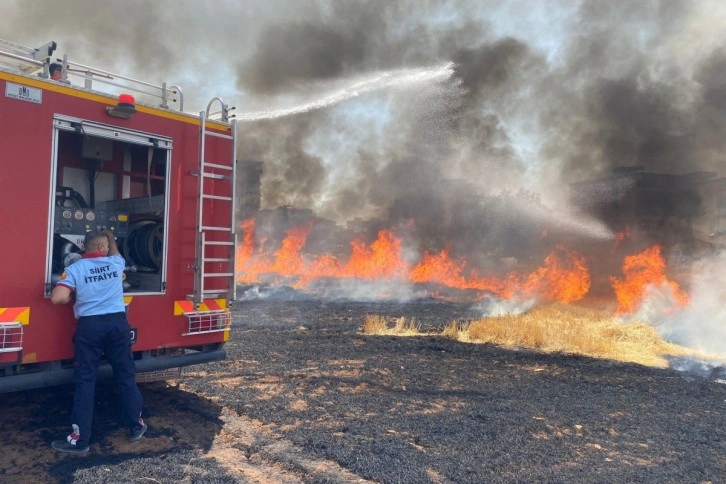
(112, 246)
(61, 294)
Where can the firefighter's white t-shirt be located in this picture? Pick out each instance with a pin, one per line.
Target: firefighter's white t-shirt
(98, 282)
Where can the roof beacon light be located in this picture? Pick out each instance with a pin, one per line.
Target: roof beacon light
(125, 107)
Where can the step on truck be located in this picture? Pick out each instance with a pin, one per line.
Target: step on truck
(96, 150)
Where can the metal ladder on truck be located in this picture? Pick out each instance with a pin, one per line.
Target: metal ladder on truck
(27, 59)
(215, 177)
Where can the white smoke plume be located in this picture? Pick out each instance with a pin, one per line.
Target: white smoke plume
(496, 308)
(702, 325)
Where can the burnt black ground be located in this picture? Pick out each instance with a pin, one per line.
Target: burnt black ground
(389, 409)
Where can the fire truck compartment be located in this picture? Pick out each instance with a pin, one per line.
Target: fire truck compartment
(108, 178)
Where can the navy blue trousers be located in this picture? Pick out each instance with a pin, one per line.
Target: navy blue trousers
(108, 334)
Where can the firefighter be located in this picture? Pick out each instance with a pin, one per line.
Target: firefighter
(96, 280)
(56, 71)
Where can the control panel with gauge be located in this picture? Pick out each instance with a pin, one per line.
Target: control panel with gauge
(78, 221)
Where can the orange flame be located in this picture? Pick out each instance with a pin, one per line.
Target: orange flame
(381, 261)
(288, 261)
(439, 268)
(641, 270)
(564, 276)
(245, 252)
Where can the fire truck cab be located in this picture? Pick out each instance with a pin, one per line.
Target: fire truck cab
(81, 153)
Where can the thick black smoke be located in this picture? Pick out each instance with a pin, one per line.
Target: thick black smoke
(618, 91)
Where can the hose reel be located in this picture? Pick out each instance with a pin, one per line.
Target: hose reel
(144, 246)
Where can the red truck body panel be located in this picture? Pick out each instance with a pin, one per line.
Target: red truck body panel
(27, 153)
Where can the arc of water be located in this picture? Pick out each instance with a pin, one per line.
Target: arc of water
(357, 87)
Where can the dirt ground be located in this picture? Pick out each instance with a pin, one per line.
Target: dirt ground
(305, 397)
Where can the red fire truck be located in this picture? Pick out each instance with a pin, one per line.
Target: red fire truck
(96, 150)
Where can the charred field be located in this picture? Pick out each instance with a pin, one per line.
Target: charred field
(304, 396)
